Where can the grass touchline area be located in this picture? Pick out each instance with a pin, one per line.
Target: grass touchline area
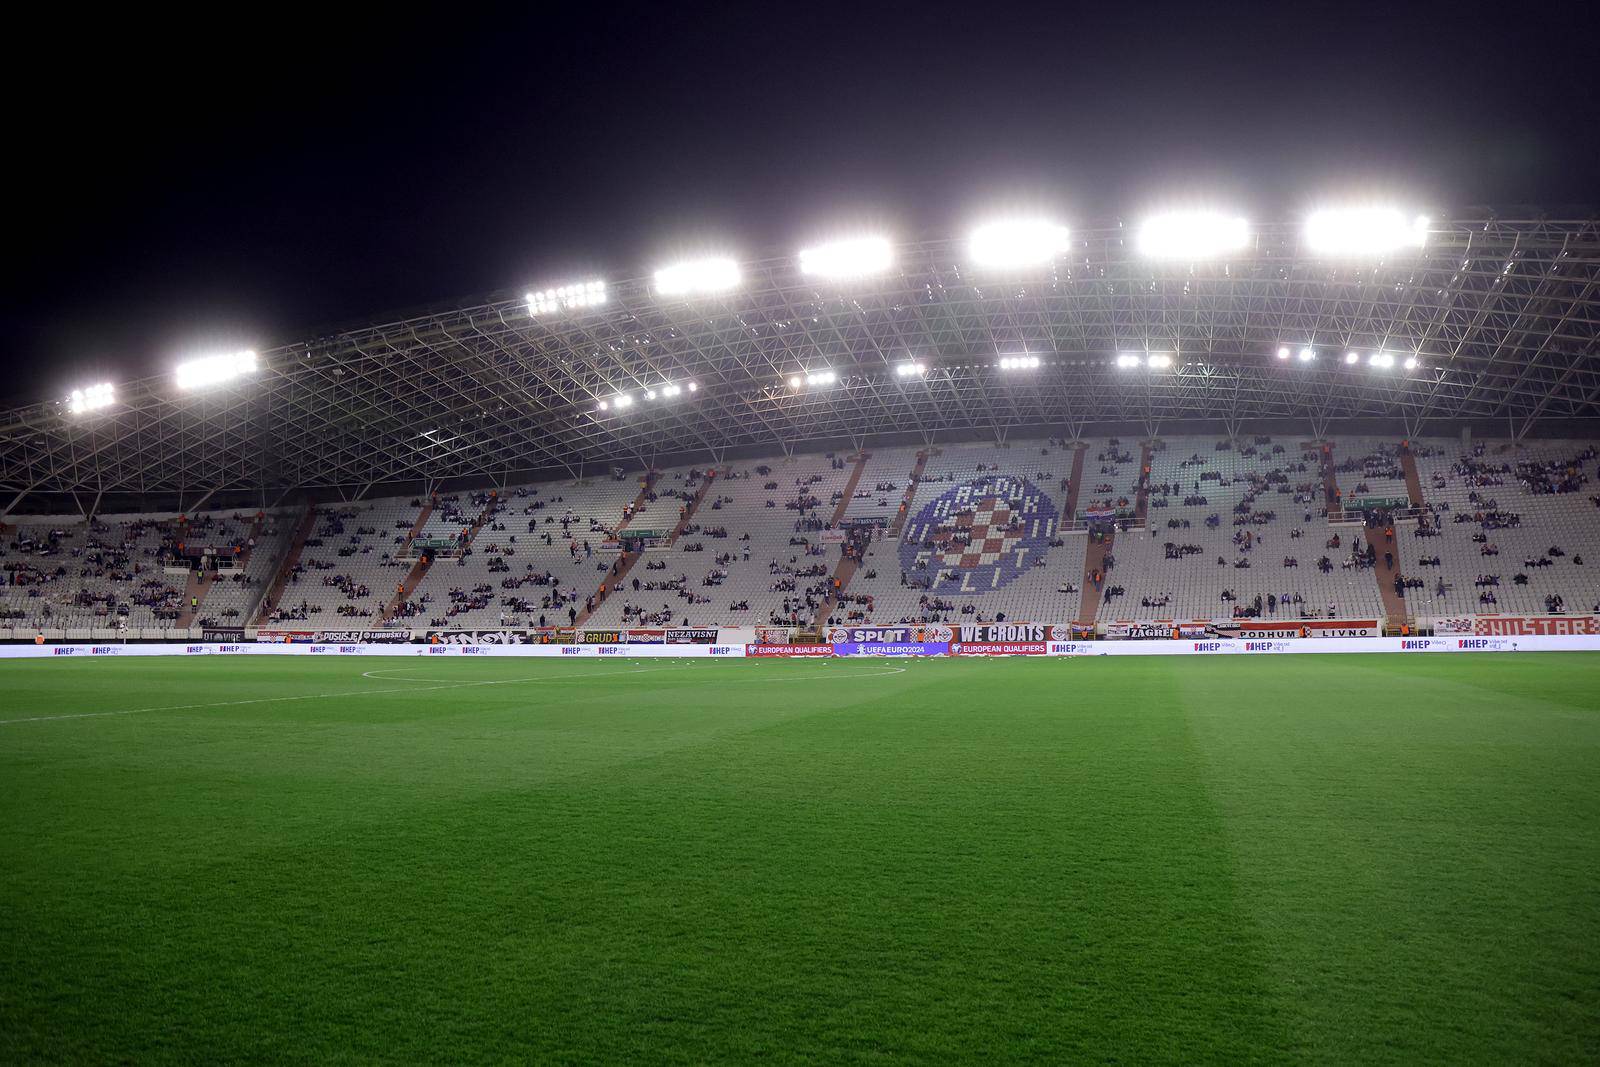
(1354, 858)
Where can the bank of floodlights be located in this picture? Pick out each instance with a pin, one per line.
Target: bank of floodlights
(1017, 243)
(1192, 235)
(567, 298)
(1355, 232)
(698, 277)
(214, 370)
(854, 257)
(1019, 363)
(910, 370)
(93, 398)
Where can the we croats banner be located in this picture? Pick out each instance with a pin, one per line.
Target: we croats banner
(1529, 625)
(1002, 639)
(1304, 628)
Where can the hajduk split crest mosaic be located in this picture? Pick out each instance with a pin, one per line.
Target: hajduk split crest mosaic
(979, 536)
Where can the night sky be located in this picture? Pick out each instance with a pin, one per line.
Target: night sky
(180, 186)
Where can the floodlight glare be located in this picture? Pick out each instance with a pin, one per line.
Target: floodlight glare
(1364, 231)
(1158, 362)
(1380, 359)
(603, 405)
(1352, 357)
(1019, 362)
(697, 276)
(1411, 363)
(1128, 361)
(821, 377)
(670, 390)
(910, 370)
(1307, 355)
(692, 387)
(852, 258)
(211, 370)
(1192, 235)
(1017, 243)
(649, 394)
(82, 401)
(794, 381)
(567, 297)
(1283, 351)
(623, 400)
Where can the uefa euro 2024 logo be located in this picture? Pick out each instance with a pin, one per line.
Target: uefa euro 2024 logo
(980, 536)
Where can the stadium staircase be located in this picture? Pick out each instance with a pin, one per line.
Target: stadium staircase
(849, 490)
(195, 589)
(420, 568)
(291, 560)
(1069, 512)
(624, 562)
(903, 516)
(1408, 464)
(1394, 605)
(1141, 498)
(1330, 482)
(1094, 559)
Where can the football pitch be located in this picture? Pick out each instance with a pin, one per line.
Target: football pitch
(1336, 859)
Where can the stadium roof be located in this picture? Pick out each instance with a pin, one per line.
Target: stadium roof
(1501, 316)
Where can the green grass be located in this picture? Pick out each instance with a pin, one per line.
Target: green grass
(1334, 859)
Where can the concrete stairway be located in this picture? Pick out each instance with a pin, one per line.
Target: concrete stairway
(849, 491)
(1394, 605)
(286, 566)
(1408, 463)
(1094, 559)
(1070, 508)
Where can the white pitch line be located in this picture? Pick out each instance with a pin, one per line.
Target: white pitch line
(318, 696)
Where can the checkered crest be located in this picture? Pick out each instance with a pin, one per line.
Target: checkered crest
(979, 536)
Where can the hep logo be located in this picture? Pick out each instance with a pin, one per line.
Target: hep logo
(318, 648)
(610, 650)
(102, 650)
(193, 650)
(62, 651)
(1413, 645)
(230, 648)
(1478, 642)
(1208, 646)
(437, 650)
(350, 650)
(470, 650)
(568, 651)
(721, 650)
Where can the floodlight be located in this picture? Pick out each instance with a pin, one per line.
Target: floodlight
(1364, 231)
(1352, 357)
(211, 370)
(820, 377)
(1017, 243)
(1411, 363)
(794, 381)
(851, 258)
(1019, 362)
(1158, 362)
(910, 370)
(1128, 361)
(697, 276)
(1283, 351)
(692, 387)
(671, 390)
(1380, 359)
(623, 400)
(567, 297)
(1192, 235)
(603, 405)
(82, 401)
(649, 394)
(1307, 355)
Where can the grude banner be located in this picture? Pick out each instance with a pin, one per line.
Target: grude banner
(600, 637)
(1533, 625)
(690, 635)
